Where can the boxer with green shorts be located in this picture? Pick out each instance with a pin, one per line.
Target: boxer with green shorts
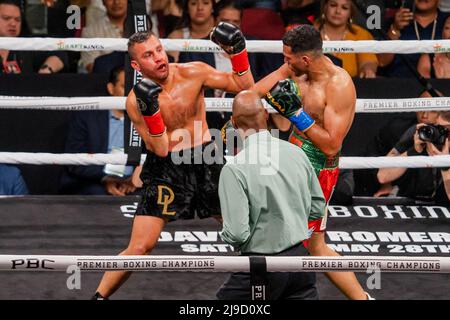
(285, 98)
(322, 113)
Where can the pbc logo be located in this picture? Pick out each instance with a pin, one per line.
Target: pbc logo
(31, 264)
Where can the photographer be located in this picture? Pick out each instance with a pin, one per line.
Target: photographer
(424, 183)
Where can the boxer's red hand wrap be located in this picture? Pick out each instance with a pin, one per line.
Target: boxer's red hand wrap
(240, 62)
(155, 124)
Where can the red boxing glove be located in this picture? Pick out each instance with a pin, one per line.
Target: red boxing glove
(232, 41)
(147, 93)
(155, 124)
(240, 62)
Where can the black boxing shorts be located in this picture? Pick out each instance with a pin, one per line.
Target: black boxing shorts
(182, 184)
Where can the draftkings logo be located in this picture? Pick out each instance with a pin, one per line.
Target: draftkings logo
(338, 49)
(438, 48)
(61, 45)
(187, 46)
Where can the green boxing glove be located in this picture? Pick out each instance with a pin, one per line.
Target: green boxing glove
(284, 97)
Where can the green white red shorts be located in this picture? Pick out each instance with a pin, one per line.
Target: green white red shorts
(327, 171)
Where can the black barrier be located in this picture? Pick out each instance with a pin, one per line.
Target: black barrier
(136, 21)
(45, 131)
(101, 224)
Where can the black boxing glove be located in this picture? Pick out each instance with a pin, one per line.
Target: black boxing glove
(285, 98)
(232, 41)
(147, 92)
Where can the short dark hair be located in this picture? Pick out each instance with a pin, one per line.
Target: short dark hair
(303, 38)
(114, 74)
(225, 4)
(185, 21)
(15, 3)
(139, 37)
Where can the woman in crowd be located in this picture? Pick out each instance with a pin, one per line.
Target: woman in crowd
(197, 22)
(336, 23)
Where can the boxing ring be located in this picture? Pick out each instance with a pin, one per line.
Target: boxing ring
(91, 229)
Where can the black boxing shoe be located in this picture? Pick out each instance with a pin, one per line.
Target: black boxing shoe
(98, 296)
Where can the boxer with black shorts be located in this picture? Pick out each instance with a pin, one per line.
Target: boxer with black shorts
(176, 191)
(167, 108)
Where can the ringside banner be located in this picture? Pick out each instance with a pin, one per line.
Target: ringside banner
(37, 230)
(105, 222)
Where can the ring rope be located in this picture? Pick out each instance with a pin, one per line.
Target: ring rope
(213, 104)
(121, 159)
(197, 45)
(62, 103)
(85, 159)
(224, 263)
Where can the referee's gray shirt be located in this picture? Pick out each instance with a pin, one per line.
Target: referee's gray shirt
(268, 192)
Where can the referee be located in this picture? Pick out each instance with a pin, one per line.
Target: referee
(268, 192)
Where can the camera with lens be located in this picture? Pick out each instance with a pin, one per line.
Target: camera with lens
(436, 134)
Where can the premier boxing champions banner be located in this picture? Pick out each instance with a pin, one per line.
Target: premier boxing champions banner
(102, 225)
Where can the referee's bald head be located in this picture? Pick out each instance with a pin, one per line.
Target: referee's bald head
(249, 112)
